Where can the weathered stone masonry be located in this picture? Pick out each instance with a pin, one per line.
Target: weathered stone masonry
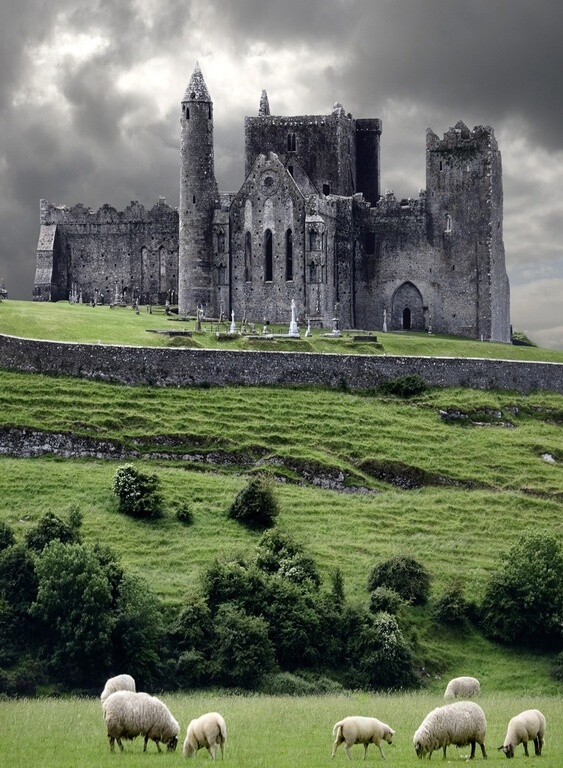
(307, 225)
(167, 367)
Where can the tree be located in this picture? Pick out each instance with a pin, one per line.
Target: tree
(244, 652)
(255, 505)
(405, 575)
(73, 602)
(138, 492)
(51, 528)
(278, 553)
(523, 602)
(7, 537)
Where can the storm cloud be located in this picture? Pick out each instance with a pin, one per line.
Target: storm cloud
(89, 105)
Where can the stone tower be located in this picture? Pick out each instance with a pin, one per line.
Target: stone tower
(464, 195)
(198, 199)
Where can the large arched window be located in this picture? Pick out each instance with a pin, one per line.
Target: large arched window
(289, 255)
(247, 257)
(268, 256)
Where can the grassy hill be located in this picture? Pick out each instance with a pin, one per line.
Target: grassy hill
(121, 325)
(452, 477)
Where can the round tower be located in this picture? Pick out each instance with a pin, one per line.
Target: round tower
(198, 199)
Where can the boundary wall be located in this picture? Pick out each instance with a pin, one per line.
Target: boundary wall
(177, 367)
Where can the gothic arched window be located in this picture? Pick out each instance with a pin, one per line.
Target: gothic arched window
(289, 255)
(268, 256)
(247, 257)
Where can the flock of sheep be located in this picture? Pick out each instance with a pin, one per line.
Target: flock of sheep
(128, 714)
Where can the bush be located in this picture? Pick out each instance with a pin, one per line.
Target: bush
(278, 553)
(523, 602)
(404, 386)
(244, 653)
(385, 599)
(557, 667)
(451, 608)
(380, 656)
(404, 575)
(7, 537)
(51, 528)
(184, 515)
(255, 506)
(138, 492)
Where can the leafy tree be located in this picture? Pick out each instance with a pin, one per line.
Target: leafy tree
(234, 581)
(18, 579)
(255, 505)
(278, 553)
(405, 575)
(387, 600)
(244, 652)
(523, 602)
(380, 657)
(452, 608)
(73, 602)
(51, 528)
(138, 493)
(7, 538)
(191, 642)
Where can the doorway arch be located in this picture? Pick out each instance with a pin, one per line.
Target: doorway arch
(407, 313)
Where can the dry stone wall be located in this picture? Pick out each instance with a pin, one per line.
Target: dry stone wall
(199, 367)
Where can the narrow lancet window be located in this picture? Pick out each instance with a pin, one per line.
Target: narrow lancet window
(268, 256)
(289, 255)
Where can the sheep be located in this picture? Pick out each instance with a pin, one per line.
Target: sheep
(117, 683)
(527, 726)
(462, 687)
(461, 723)
(361, 730)
(128, 714)
(206, 731)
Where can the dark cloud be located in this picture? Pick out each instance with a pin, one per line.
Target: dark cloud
(411, 62)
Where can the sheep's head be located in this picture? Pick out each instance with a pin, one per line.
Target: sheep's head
(419, 749)
(172, 744)
(388, 736)
(508, 750)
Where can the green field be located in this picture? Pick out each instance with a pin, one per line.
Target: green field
(274, 732)
(120, 325)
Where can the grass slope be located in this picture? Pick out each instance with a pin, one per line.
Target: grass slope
(479, 486)
(120, 325)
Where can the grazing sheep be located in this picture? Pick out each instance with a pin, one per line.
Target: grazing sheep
(525, 727)
(129, 714)
(361, 730)
(462, 688)
(206, 731)
(461, 723)
(118, 683)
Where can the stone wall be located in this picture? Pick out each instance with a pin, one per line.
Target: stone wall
(192, 367)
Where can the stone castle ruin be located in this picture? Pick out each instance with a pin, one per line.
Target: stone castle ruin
(309, 225)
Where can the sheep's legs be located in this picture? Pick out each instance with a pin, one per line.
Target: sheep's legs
(525, 743)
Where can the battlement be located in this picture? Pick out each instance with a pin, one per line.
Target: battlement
(460, 138)
(106, 214)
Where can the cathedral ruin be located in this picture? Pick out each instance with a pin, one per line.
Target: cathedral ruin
(309, 224)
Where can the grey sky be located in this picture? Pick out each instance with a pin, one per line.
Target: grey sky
(89, 104)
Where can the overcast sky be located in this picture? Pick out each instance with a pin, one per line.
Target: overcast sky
(90, 92)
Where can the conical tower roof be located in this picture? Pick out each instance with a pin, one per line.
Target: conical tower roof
(197, 89)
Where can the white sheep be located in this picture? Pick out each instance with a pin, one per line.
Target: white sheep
(527, 726)
(462, 688)
(118, 683)
(129, 714)
(461, 723)
(361, 730)
(206, 731)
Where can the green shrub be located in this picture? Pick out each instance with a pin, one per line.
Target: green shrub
(255, 505)
(138, 492)
(451, 607)
(244, 652)
(184, 515)
(278, 553)
(404, 575)
(380, 657)
(7, 537)
(385, 599)
(557, 667)
(523, 602)
(235, 581)
(404, 386)
(51, 528)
